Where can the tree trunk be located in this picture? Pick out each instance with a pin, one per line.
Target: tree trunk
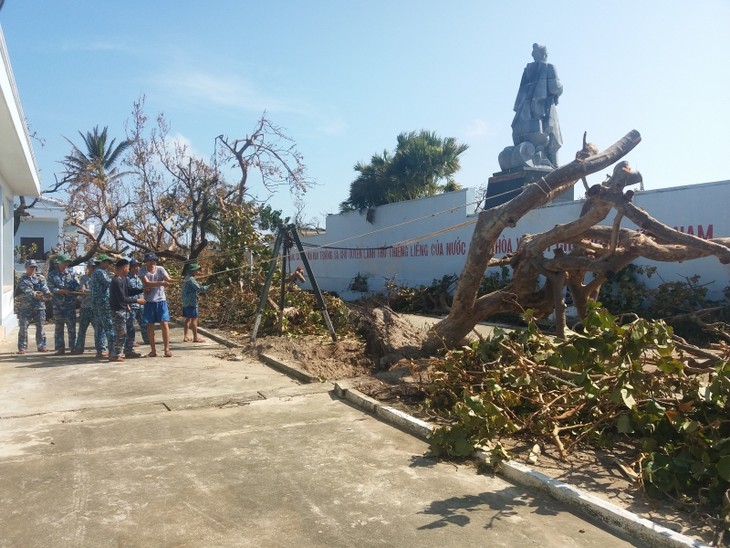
(467, 309)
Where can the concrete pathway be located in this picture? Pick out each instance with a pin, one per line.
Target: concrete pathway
(196, 450)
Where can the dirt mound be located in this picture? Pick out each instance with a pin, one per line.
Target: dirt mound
(390, 337)
(321, 357)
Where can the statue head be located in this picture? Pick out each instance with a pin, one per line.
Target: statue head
(539, 52)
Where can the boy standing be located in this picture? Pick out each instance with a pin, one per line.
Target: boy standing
(190, 291)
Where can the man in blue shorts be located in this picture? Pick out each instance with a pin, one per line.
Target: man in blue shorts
(155, 279)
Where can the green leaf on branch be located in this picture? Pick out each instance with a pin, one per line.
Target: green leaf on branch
(723, 468)
(627, 398)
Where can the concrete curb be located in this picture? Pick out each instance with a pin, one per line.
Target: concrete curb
(217, 338)
(412, 425)
(598, 509)
(289, 370)
(613, 516)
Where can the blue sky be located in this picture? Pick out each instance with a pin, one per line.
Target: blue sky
(344, 78)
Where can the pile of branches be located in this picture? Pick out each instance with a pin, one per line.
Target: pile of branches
(632, 382)
(232, 305)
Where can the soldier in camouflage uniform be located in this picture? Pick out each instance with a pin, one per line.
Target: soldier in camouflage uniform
(64, 286)
(134, 282)
(32, 292)
(86, 313)
(120, 301)
(99, 287)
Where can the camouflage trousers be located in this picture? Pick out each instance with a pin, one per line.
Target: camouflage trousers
(138, 315)
(104, 328)
(64, 316)
(86, 318)
(123, 333)
(38, 317)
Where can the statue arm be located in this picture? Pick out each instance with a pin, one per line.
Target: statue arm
(555, 88)
(522, 90)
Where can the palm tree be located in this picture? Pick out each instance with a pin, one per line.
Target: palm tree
(91, 175)
(97, 164)
(421, 162)
(371, 186)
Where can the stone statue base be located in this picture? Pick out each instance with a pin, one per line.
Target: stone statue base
(505, 185)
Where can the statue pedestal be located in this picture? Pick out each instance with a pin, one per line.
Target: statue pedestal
(505, 185)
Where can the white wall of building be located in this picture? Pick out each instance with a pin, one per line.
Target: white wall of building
(8, 320)
(18, 176)
(423, 240)
(46, 219)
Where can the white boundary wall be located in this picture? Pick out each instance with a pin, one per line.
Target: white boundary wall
(419, 241)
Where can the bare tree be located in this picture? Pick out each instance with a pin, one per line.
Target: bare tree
(268, 152)
(538, 281)
(179, 196)
(176, 192)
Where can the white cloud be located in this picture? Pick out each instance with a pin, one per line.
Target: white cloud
(332, 127)
(478, 128)
(229, 91)
(104, 46)
(181, 142)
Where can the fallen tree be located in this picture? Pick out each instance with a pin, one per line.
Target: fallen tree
(539, 281)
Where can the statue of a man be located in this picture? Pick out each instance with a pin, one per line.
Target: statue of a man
(536, 118)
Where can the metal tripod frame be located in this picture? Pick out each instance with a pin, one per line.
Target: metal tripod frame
(281, 238)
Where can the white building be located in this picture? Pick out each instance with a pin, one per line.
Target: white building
(18, 177)
(43, 228)
(416, 242)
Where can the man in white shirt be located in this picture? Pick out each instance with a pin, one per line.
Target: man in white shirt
(154, 279)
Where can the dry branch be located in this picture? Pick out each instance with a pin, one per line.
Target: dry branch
(538, 282)
(467, 309)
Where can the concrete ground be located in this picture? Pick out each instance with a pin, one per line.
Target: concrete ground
(197, 450)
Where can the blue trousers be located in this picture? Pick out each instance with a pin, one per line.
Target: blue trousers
(86, 318)
(138, 315)
(123, 332)
(64, 316)
(25, 317)
(104, 328)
